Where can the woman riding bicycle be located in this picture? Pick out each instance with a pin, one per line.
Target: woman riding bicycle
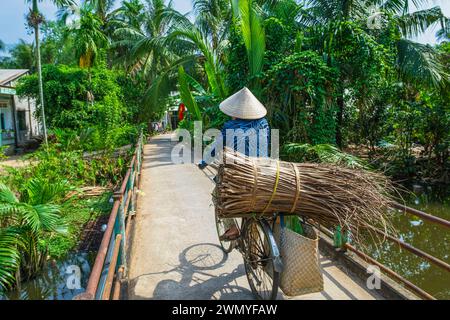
(248, 132)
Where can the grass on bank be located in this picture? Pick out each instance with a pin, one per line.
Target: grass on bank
(81, 216)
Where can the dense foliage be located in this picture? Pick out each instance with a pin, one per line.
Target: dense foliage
(92, 111)
(300, 98)
(66, 91)
(325, 74)
(340, 81)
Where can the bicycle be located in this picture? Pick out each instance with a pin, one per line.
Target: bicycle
(260, 252)
(257, 245)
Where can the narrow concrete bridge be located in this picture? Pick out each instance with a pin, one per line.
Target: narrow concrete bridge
(175, 253)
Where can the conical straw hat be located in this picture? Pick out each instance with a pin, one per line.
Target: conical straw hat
(243, 105)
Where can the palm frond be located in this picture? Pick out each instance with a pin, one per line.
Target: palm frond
(329, 11)
(400, 6)
(196, 85)
(253, 34)
(7, 195)
(444, 32)
(42, 191)
(41, 217)
(62, 3)
(49, 216)
(413, 24)
(322, 153)
(420, 63)
(159, 87)
(10, 211)
(212, 66)
(10, 257)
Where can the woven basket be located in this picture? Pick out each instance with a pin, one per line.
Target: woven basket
(301, 266)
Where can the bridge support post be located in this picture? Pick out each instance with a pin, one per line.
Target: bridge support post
(121, 230)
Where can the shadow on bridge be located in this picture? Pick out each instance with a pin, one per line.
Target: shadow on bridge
(196, 280)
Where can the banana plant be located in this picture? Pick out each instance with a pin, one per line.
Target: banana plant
(186, 95)
(253, 33)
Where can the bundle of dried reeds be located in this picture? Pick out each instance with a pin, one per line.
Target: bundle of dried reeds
(87, 192)
(330, 195)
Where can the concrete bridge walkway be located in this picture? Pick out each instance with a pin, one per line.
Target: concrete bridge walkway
(175, 252)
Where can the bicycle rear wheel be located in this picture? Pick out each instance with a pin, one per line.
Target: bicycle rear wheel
(259, 260)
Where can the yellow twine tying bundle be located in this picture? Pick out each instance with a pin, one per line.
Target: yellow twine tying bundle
(277, 180)
(297, 183)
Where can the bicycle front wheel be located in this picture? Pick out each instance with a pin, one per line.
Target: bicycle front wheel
(222, 225)
(259, 260)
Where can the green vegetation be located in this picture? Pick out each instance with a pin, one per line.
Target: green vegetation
(21, 57)
(339, 89)
(92, 112)
(325, 75)
(78, 99)
(78, 214)
(48, 195)
(25, 222)
(322, 153)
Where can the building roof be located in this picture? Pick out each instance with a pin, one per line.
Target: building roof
(8, 75)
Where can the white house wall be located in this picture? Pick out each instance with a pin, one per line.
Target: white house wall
(21, 105)
(28, 105)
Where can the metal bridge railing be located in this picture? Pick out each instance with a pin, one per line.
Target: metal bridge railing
(415, 251)
(110, 265)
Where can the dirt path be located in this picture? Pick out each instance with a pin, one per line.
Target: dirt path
(14, 162)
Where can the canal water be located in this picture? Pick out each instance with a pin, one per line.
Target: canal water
(61, 280)
(423, 235)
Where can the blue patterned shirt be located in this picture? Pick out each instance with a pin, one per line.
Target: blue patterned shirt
(254, 143)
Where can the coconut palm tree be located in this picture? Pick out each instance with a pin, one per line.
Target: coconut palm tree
(23, 222)
(35, 19)
(213, 18)
(88, 36)
(141, 48)
(140, 33)
(129, 14)
(335, 13)
(102, 9)
(2, 46)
